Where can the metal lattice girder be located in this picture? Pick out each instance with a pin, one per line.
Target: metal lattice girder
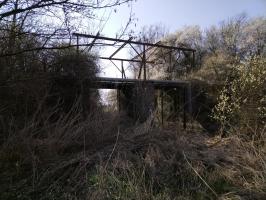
(133, 42)
(141, 57)
(149, 48)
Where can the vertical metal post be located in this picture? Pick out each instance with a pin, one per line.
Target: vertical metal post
(189, 102)
(179, 100)
(162, 108)
(77, 45)
(170, 63)
(175, 105)
(122, 69)
(118, 100)
(184, 109)
(189, 98)
(139, 76)
(144, 61)
(193, 59)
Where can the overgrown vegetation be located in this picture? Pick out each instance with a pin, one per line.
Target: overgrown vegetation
(242, 100)
(106, 157)
(57, 141)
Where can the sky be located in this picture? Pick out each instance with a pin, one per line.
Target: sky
(175, 14)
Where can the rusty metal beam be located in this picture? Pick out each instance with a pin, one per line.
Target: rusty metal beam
(184, 108)
(132, 42)
(139, 54)
(122, 46)
(115, 83)
(121, 59)
(193, 59)
(93, 42)
(139, 76)
(116, 66)
(144, 62)
(162, 108)
(123, 70)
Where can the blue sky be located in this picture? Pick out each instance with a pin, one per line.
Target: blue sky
(175, 14)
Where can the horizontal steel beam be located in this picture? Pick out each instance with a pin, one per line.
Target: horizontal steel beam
(121, 59)
(132, 42)
(117, 83)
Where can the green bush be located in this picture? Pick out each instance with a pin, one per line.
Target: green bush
(242, 101)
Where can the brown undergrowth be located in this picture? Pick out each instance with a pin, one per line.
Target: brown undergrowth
(108, 157)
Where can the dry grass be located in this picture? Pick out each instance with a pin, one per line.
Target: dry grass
(107, 157)
(46, 154)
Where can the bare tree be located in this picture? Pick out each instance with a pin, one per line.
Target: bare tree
(255, 37)
(212, 39)
(232, 34)
(78, 6)
(29, 28)
(50, 20)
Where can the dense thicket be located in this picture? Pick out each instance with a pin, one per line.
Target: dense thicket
(218, 48)
(231, 54)
(40, 66)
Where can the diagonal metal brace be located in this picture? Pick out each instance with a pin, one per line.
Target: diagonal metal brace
(125, 43)
(116, 67)
(93, 41)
